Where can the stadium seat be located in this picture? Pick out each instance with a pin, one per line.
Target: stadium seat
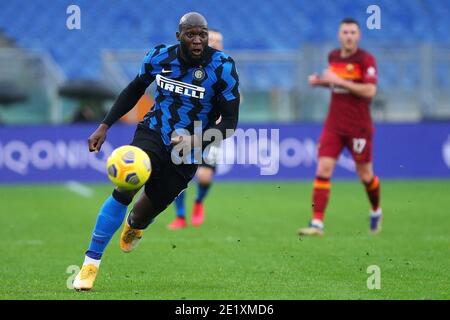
(269, 27)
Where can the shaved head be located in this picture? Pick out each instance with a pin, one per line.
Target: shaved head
(193, 36)
(192, 19)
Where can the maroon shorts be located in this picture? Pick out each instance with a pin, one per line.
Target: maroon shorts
(331, 145)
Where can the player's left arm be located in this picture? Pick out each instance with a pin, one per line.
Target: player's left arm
(228, 100)
(366, 89)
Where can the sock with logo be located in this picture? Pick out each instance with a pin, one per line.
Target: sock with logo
(321, 193)
(373, 192)
(109, 219)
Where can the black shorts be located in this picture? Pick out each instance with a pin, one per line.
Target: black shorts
(167, 179)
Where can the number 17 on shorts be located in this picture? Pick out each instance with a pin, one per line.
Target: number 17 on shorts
(359, 144)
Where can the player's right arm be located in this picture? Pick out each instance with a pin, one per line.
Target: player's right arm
(126, 101)
(314, 80)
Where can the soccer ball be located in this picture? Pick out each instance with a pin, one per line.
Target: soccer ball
(128, 167)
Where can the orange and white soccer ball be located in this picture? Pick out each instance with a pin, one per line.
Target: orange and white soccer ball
(128, 167)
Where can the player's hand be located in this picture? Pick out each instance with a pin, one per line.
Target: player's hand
(96, 139)
(190, 141)
(314, 80)
(331, 78)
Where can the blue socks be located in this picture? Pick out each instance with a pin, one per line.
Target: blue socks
(179, 205)
(180, 208)
(202, 191)
(109, 219)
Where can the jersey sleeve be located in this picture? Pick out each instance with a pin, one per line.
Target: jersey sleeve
(147, 70)
(228, 98)
(370, 71)
(229, 81)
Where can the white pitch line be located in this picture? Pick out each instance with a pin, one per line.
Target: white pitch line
(79, 189)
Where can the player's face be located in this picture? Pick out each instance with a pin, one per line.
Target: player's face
(349, 36)
(215, 40)
(193, 41)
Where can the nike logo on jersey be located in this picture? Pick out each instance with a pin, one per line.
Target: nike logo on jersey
(179, 87)
(166, 71)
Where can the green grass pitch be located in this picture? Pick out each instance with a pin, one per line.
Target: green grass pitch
(247, 248)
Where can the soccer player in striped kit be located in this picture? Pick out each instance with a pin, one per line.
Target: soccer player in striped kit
(194, 84)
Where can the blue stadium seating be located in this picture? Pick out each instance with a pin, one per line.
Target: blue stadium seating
(251, 24)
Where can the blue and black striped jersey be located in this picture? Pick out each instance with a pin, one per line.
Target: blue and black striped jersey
(185, 92)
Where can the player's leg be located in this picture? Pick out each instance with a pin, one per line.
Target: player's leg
(142, 214)
(114, 209)
(361, 149)
(180, 205)
(372, 186)
(320, 195)
(159, 193)
(109, 219)
(180, 208)
(144, 211)
(205, 174)
(330, 146)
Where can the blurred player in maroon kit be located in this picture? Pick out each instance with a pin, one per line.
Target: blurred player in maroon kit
(352, 77)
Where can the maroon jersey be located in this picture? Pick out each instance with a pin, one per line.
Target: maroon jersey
(349, 114)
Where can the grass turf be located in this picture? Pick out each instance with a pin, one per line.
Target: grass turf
(247, 248)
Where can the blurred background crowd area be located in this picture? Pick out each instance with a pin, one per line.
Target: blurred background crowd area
(50, 74)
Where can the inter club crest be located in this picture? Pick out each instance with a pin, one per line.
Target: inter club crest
(199, 74)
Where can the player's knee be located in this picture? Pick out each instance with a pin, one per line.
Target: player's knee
(324, 171)
(204, 175)
(366, 177)
(325, 167)
(365, 173)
